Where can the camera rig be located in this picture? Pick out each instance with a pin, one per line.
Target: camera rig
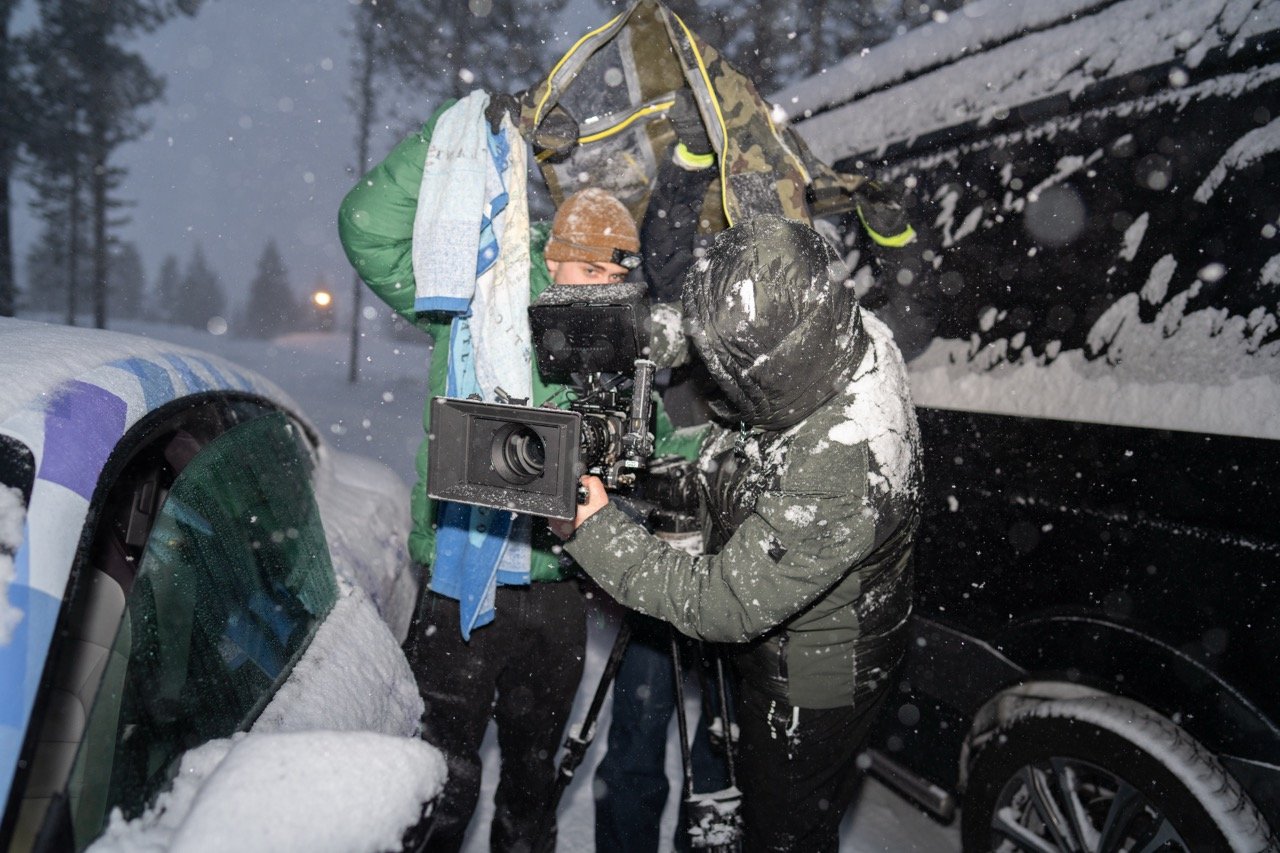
(592, 339)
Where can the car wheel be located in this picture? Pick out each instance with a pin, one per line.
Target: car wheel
(1102, 774)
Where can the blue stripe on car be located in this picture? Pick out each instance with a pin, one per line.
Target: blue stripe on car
(157, 386)
(81, 427)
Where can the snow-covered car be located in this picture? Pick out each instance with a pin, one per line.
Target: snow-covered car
(1098, 570)
(187, 575)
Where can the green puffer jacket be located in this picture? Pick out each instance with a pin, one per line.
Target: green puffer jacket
(812, 502)
(375, 225)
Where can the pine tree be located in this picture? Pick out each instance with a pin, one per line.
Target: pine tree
(92, 89)
(167, 298)
(48, 273)
(15, 105)
(448, 49)
(271, 308)
(363, 101)
(127, 281)
(202, 298)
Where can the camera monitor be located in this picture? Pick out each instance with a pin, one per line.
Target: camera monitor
(584, 328)
(507, 457)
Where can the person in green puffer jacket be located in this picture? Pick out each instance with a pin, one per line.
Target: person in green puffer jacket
(811, 490)
(531, 654)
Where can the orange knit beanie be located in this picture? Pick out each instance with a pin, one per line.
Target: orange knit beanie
(589, 226)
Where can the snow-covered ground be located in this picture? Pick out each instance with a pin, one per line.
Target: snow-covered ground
(380, 416)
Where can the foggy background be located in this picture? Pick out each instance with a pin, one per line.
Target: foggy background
(255, 136)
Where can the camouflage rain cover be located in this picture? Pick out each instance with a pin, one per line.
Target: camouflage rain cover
(618, 81)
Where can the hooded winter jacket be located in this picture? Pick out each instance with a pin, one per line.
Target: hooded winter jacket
(811, 501)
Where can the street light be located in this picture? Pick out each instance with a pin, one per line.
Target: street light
(323, 302)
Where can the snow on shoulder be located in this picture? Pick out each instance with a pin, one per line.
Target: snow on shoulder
(881, 413)
(346, 792)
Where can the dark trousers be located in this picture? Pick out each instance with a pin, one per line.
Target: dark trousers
(631, 779)
(531, 657)
(797, 773)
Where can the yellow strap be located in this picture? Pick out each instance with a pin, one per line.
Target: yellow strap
(694, 161)
(542, 102)
(623, 125)
(715, 102)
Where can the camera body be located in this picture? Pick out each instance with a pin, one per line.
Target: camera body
(590, 338)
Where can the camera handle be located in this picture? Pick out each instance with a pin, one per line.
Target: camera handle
(637, 443)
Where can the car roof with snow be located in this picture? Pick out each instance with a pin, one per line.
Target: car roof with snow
(993, 55)
(37, 358)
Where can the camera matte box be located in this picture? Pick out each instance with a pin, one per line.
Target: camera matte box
(464, 436)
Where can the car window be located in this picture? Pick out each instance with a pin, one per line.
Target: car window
(233, 581)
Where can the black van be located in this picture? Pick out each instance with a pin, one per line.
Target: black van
(1096, 663)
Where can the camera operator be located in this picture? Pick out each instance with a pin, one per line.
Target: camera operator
(811, 489)
(632, 784)
(525, 639)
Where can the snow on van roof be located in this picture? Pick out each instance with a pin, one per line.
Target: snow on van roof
(994, 55)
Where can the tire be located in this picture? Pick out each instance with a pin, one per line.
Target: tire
(1102, 774)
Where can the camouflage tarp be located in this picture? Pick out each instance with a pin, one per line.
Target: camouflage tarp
(619, 80)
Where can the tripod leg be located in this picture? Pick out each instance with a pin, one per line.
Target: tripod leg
(713, 820)
(579, 740)
(723, 690)
(682, 723)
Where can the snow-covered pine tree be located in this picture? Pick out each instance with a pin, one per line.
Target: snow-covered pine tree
(271, 308)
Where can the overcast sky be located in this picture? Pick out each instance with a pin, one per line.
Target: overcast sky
(254, 140)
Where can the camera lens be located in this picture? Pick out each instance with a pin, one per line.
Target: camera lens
(518, 454)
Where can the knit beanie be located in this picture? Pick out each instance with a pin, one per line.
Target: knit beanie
(589, 226)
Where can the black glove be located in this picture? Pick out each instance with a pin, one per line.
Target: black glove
(687, 121)
(881, 208)
(502, 104)
(557, 134)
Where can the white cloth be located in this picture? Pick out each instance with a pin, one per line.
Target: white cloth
(451, 197)
(466, 201)
(500, 332)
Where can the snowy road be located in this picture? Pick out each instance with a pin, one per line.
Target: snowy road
(880, 821)
(380, 416)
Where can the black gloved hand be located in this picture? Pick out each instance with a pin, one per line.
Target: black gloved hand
(502, 104)
(557, 136)
(881, 208)
(687, 121)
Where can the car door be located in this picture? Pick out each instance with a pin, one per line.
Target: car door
(204, 579)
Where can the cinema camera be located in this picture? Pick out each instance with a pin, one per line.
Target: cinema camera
(592, 339)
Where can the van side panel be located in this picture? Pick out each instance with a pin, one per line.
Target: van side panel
(1171, 535)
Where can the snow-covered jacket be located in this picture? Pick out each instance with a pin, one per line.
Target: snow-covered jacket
(811, 500)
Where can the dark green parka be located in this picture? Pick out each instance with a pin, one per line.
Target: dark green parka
(812, 502)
